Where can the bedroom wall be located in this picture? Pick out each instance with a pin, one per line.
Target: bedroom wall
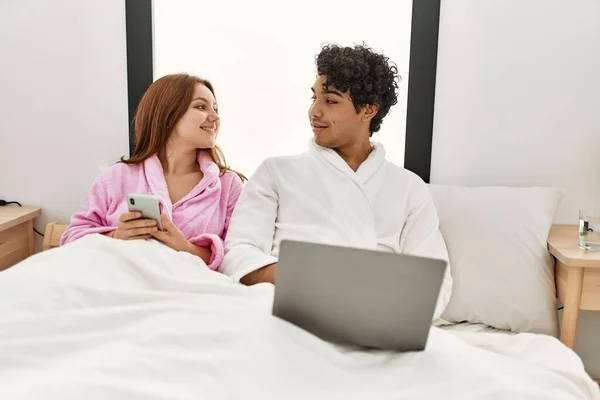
(517, 103)
(63, 100)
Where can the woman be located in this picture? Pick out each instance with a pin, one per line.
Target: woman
(176, 158)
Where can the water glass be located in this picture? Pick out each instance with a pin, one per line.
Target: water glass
(589, 229)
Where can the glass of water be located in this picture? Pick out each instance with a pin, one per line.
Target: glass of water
(589, 229)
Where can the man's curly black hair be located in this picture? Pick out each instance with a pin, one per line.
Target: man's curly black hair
(369, 77)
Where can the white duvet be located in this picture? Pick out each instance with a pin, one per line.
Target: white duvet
(107, 319)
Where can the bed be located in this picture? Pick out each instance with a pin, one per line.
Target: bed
(102, 318)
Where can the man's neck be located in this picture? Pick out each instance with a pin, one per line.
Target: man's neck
(355, 154)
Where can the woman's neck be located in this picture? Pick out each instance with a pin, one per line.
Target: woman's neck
(176, 161)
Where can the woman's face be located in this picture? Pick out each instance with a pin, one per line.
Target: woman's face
(199, 125)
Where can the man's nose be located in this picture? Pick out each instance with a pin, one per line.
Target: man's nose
(315, 111)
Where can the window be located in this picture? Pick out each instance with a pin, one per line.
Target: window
(260, 57)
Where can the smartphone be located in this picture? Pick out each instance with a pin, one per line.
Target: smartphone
(147, 204)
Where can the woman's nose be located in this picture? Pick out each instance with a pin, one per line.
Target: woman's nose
(213, 116)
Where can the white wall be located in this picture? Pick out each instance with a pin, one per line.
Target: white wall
(518, 103)
(260, 59)
(63, 100)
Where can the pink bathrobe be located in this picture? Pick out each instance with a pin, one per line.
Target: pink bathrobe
(202, 215)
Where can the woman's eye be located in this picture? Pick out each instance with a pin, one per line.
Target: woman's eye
(200, 107)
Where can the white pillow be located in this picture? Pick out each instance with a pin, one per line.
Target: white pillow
(502, 271)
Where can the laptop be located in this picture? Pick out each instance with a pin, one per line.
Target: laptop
(363, 298)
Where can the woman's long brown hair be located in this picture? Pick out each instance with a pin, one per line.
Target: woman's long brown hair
(161, 106)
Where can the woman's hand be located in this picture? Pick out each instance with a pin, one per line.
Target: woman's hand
(132, 227)
(175, 239)
(171, 235)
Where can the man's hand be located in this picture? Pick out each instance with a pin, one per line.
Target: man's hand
(265, 274)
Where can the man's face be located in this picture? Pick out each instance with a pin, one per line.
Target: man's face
(333, 118)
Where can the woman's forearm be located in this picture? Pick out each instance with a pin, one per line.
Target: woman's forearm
(202, 252)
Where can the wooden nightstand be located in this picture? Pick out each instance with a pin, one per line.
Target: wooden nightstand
(16, 234)
(577, 276)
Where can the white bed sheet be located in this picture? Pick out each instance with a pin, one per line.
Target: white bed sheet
(470, 327)
(108, 319)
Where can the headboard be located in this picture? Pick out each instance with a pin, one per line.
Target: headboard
(52, 235)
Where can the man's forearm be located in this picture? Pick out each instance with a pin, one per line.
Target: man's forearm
(264, 274)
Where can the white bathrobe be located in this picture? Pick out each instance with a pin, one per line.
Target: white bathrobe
(317, 197)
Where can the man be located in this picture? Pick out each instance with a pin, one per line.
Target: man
(342, 191)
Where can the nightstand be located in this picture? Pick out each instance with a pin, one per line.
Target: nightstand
(577, 277)
(16, 234)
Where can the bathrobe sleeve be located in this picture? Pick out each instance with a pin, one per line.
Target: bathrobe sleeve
(91, 218)
(215, 242)
(234, 196)
(421, 236)
(249, 239)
